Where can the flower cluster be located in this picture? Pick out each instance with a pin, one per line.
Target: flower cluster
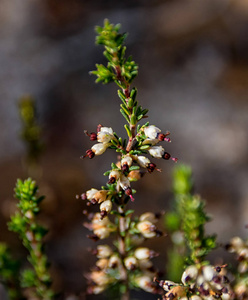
(110, 269)
(129, 263)
(103, 136)
(129, 167)
(101, 227)
(146, 225)
(199, 282)
(240, 248)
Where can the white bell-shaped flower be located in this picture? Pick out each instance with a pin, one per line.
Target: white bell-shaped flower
(152, 131)
(156, 151)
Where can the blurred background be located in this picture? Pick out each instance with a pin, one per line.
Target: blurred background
(193, 78)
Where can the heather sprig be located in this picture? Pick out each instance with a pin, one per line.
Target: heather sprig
(239, 247)
(200, 279)
(31, 130)
(124, 266)
(25, 224)
(191, 212)
(9, 273)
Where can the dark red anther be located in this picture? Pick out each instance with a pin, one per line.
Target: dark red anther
(93, 201)
(151, 167)
(218, 269)
(171, 296)
(132, 267)
(216, 279)
(93, 251)
(158, 233)
(93, 237)
(99, 127)
(153, 254)
(160, 283)
(112, 180)
(224, 290)
(166, 156)
(225, 279)
(90, 153)
(83, 196)
(128, 192)
(125, 168)
(161, 137)
(103, 214)
(93, 136)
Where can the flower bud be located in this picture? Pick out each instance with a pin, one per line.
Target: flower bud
(195, 297)
(208, 273)
(91, 193)
(145, 283)
(145, 264)
(106, 206)
(101, 232)
(125, 185)
(127, 160)
(151, 142)
(103, 251)
(148, 216)
(114, 262)
(142, 253)
(134, 175)
(167, 285)
(189, 274)
(114, 175)
(96, 289)
(101, 196)
(100, 277)
(126, 163)
(130, 263)
(102, 263)
(147, 229)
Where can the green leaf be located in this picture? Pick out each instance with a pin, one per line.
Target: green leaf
(128, 130)
(124, 115)
(129, 212)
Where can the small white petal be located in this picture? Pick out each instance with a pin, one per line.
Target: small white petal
(124, 182)
(127, 160)
(190, 273)
(195, 297)
(144, 282)
(208, 272)
(151, 131)
(156, 151)
(107, 130)
(142, 253)
(103, 251)
(91, 193)
(143, 161)
(99, 148)
(148, 216)
(106, 206)
(130, 262)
